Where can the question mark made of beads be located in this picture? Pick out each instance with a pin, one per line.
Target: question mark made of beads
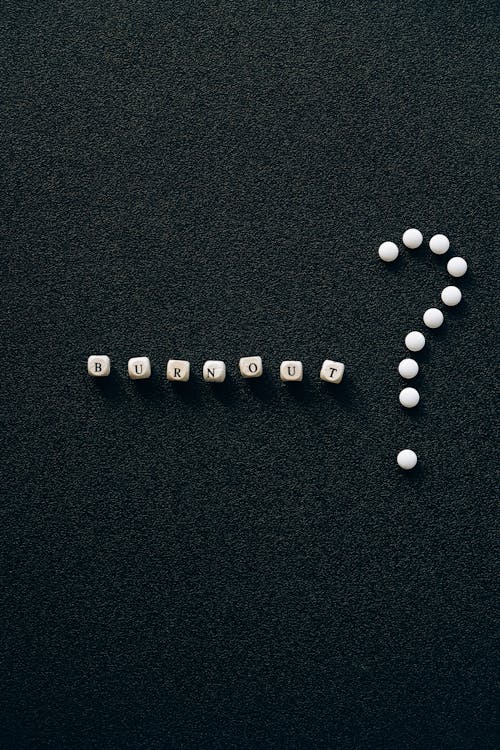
(433, 318)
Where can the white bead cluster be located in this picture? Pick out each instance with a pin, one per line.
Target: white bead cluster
(433, 317)
(214, 370)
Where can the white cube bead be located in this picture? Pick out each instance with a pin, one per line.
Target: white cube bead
(433, 318)
(407, 459)
(412, 238)
(291, 371)
(451, 295)
(388, 251)
(331, 371)
(408, 368)
(409, 397)
(178, 370)
(139, 368)
(415, 341)
(457, 267)
(99, 365)
(214, 371)
(439, 244)
(251, 367)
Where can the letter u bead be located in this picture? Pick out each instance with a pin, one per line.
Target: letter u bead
(291, 371)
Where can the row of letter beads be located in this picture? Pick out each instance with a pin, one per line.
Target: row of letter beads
(214, 371)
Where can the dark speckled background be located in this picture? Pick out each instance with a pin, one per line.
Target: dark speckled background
(245, 566)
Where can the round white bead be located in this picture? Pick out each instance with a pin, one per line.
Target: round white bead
(388, 251)
(408, 368)
(407, 459)
(439, 244)
(409, 397)
(457, 267)
(415, 341)
(451, 295)
(433, 318)
(412, 238)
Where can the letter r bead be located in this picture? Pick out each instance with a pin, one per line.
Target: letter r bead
(178, 370)
(98, 365)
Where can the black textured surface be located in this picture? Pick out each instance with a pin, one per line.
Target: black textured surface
(244, 566)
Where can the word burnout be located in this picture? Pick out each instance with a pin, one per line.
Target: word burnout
(214, 370)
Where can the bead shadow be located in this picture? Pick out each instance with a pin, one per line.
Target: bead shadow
(110, 387)
(395, 266)
(301, 391)
(415, 475)
(264, 387)
(189, 392)
(415, 413)
(343, 393)
(225, 392)
(425, 354)
(150, 388)
(467, 281)
(458, 311)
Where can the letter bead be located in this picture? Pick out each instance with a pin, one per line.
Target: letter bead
(98, 365)
(178, 370)
(331, 371)
(251, 367)
(139, 368)
(291, 371)
(214, 371)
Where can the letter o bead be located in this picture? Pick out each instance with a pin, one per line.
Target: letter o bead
(139, 368)
(98, 365)
(332, 372)
(251, 367)
(214, 371)
(291, 371)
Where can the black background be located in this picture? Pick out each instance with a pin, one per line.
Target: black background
(245, 566)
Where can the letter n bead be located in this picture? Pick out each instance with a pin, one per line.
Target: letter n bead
(214, 371)
(291, 371)
(98, 365)
(332, 372)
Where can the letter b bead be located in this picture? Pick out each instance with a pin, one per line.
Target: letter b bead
(291, 371)
(98, 365)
